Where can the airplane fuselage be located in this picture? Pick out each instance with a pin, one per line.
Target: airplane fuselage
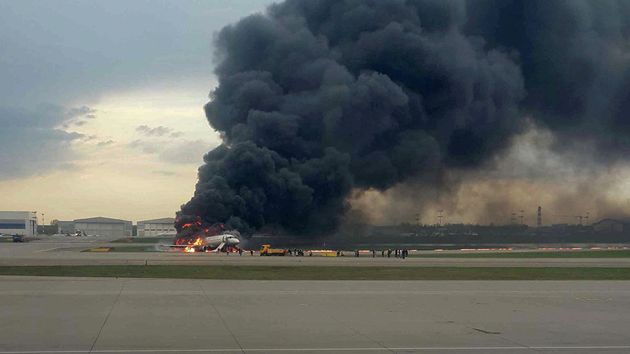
(228, 240)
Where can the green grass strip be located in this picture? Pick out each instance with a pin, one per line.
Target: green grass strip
(168, 239)
(532, 254)
(133, 249)
(324, 272)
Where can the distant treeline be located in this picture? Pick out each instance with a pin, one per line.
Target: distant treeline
(458, 235)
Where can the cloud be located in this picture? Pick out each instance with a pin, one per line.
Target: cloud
(31, 142)
(78, 116)
(89, 137)
(185, 152)
(146, 147)
(83, 111)
(68, 52)
(173, 151)
(105, 143)
(157, 131)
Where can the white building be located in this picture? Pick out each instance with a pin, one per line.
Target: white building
(101, 226)
(18, 223)
(156, 227)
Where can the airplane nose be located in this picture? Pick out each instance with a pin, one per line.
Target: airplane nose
(236, 241)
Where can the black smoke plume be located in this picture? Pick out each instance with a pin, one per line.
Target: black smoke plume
(317, 99)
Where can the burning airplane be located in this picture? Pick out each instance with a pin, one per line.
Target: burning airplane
(193, 236)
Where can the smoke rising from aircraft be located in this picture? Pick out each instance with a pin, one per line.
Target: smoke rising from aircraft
(318, 100)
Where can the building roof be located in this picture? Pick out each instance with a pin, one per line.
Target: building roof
(621, 221)
(158, 221)
(102, 220)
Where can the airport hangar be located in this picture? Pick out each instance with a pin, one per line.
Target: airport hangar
(104, 226)
(18, 223)
(156, 227)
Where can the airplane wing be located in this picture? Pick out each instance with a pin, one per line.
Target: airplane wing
(219, 248)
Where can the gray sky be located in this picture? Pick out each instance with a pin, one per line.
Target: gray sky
(69, 51)
(101, 103)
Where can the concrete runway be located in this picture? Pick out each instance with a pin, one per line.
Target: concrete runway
(66, 251)
(81, 315)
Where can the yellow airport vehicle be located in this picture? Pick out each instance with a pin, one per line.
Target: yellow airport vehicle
(99, 249)
(266, 250)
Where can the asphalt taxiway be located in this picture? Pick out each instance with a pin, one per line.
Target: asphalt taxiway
(81, 315)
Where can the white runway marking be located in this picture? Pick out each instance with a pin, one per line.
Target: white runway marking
(238, 350)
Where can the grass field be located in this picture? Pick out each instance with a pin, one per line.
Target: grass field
(144, 240)
(323, 273)
(133, 249)
(531, 254)
(121, 249)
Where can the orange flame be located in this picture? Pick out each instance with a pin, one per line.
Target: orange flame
(191, 247)
(190, 224)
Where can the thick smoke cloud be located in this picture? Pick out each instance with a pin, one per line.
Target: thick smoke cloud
(317, 99)
(575, 59)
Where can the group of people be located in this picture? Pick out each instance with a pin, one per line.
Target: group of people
(404, 253)
(240, 252)
(298, 252)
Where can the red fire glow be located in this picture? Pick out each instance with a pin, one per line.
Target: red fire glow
(193, 234)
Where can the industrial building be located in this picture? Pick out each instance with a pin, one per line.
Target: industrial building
(156, 227)
(101, 226)
(18, 223)
(65, 227)
(611, 225)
